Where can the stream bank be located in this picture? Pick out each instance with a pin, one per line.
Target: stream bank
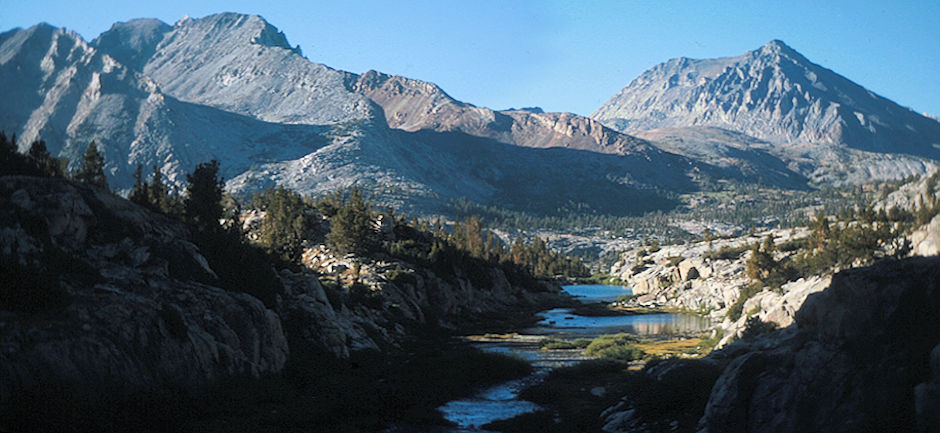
(505, 400)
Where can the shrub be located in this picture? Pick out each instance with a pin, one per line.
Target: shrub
(673, 260)
(617, 347)
(559, 344)
(726, 253)
(735, 310)
(755, 327)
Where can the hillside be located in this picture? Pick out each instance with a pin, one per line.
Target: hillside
(105, 304)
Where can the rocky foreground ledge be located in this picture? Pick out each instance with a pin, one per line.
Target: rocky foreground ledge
(862, 355)
(99, 296)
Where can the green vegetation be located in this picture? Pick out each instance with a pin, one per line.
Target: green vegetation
(36, 162)
(733, 203)
(351, 228)
(618, 347)
(755, 327)
(288, 220)
(603, 279)
(154, 195)
(92, 168)
(673, 260)
(726, 253)
(559, 344)
(203, 204)
(747, 292)
(852, 240)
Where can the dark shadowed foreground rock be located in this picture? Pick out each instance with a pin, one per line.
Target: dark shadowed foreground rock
(99, 294)
(863, 355)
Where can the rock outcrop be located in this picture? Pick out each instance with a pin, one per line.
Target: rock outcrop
(697, 277)
(123, 302)
(859, 350)
(101, 296)
(861, 355)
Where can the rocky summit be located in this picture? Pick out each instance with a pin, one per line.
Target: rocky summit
(776, 94)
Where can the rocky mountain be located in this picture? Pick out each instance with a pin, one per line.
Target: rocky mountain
(414, 105)
(70, 93)
(729, 149)
(777, 95)
(230, 87)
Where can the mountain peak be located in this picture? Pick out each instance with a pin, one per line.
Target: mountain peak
(776, 45)
(132, 42)
(776, 48)
(237, 25)
(773, 93)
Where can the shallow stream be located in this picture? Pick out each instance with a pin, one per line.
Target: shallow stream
(502, 401)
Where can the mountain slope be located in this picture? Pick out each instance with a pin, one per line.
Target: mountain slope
(414, 105)
(69, 93)
(242, 64)
(73, 93)
(772, 93)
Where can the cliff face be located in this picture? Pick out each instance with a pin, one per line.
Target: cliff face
(860, 359)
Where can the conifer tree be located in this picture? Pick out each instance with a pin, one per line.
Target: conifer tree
(203, 204)
(351, 227)
(92, 169)
(40, 156)
(139, 192)
(158, 194)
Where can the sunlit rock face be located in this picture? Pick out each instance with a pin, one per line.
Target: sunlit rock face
(860, 355)
(777, 95)
(772, 93)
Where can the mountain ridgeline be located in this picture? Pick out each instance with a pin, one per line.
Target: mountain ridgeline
(231, 87)
(807, 114)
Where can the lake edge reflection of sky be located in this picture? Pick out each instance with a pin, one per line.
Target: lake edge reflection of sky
(596, 292)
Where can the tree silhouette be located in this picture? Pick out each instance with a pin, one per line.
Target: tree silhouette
(203, 204)
(92, 169)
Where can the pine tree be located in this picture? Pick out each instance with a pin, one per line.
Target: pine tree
(203, 204)
(821, 232)
(139, 192)
(286, 222)
(92, 169)
(40, 156)
(351, 227)
(157, 193)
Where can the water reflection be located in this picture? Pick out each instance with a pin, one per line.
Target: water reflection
(497, 402)
(561, 322)
(596, 292)
(502, 401)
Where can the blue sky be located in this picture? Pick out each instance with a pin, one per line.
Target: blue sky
(562, 55)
